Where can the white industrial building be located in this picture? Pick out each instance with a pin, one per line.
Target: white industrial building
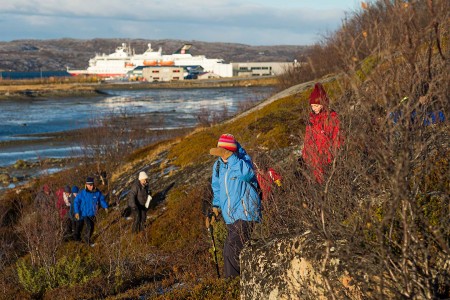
(248, 69)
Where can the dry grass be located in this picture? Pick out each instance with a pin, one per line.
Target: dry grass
(383, 209)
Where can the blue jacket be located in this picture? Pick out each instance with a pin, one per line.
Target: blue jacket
(234, 188)
(429, 117)
(86, 203)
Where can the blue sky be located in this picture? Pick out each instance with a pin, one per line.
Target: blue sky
(252, 22)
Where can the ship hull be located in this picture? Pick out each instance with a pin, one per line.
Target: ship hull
(103, 75)
(123, 60)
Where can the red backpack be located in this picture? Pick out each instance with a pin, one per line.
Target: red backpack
(266, 180)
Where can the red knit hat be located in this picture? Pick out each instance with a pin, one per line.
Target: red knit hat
(318, 95)
(227, 141)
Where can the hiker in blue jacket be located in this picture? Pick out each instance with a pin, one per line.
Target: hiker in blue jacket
(235, 194)
(426, 112)
(85, 208)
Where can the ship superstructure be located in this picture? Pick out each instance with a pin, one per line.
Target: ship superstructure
(123, 60)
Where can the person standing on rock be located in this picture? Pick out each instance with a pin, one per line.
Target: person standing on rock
(322, 135)
(139, 200)
(85, 208)
(235, 195)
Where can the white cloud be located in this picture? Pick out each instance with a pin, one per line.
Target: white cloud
(224, 20)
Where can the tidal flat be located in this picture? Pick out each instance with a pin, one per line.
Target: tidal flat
(70, 87)
(46, 133)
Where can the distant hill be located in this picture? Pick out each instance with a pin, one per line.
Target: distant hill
(50, 55)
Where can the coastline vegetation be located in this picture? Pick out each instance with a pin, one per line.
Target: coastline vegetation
(383, 211)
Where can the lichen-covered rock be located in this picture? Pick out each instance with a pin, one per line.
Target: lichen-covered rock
(290, 267)
(20, 164)
(5, 178)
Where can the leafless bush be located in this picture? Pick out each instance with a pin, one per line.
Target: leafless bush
(42, 232)
(112, 137)
(383, 208)
(207, 118)
(319, 60)
(252, 100)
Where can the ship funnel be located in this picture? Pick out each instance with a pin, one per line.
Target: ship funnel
(184, 49)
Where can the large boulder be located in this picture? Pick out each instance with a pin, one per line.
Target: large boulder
(20, 164)
(291, 267)
(5, 178)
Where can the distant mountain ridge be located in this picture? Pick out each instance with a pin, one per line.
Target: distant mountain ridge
(49, 55)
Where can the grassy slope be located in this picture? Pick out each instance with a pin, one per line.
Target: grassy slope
(175, 246)
(177, 222)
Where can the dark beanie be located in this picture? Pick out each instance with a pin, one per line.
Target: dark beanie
(318, 95)
(90, 180)
(67, 189)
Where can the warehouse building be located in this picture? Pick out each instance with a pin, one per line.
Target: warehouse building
(162, 73)
(249, 69)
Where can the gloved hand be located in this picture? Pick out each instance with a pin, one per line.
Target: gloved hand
(77, 216)
(215, 211)
(212, 217)
(223, 153)
(278, 182)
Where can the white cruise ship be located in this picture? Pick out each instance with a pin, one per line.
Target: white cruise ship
(123, 60)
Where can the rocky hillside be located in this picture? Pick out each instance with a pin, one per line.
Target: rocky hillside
(49, 55)
(376, 228)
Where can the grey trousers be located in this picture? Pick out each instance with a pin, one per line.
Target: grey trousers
(238, 234)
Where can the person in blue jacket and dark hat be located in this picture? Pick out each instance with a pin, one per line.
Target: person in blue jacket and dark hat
(235, 194)
(85, 208)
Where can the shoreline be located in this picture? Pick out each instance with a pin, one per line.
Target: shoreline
(22, 89)
(24, 170)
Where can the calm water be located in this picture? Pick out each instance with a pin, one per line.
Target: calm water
(174, 108)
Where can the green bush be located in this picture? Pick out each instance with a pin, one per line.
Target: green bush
(32, 279)
(68, 271)
(220, 234)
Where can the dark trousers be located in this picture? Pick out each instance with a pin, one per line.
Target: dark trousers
(139, 216)
(89, 222)
(238, 234)
(68, 228)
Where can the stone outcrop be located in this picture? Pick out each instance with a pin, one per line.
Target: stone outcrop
(290, 267)
(5, 178)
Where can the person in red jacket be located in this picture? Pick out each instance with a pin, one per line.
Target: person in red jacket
(63, 206)
(62, 202)
(322, 134)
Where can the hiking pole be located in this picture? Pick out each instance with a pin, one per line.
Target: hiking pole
(211, 233)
